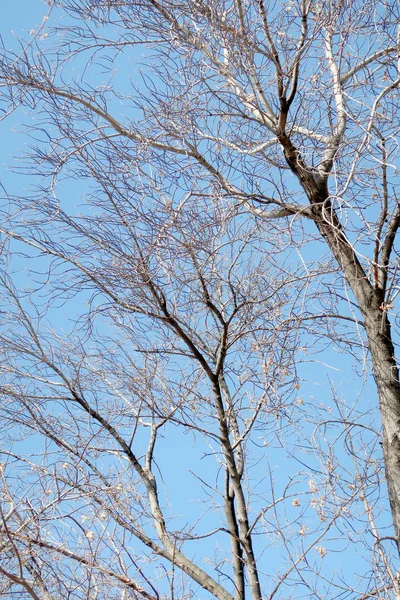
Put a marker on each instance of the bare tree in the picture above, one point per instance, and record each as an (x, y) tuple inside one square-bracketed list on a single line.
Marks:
[(236, 168)]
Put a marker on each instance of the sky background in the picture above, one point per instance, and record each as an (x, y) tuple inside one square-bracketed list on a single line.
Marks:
[(18, 19)]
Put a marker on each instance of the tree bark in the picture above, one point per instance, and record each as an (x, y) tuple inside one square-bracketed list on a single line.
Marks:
[(378, 330), (386, 375), (371, 301)]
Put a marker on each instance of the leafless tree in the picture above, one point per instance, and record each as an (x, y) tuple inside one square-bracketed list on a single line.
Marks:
[(212, 198)]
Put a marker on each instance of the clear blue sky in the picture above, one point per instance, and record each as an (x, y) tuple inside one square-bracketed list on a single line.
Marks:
[(18, 18)]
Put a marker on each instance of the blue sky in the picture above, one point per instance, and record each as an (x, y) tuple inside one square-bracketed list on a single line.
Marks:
[(26, 15), (18, 19)]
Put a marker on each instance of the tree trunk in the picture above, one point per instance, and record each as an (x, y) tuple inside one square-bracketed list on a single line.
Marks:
[(386, 375), (377, 325)]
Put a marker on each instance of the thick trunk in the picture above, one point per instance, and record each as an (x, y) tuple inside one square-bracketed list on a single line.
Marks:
[(371, 302), (386, 375)]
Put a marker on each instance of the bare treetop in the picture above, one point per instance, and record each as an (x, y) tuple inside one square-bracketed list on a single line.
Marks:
[(208, 223)]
